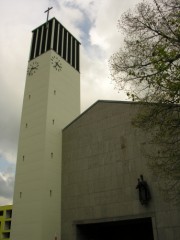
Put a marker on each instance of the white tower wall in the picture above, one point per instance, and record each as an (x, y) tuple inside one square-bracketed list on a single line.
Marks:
[(51, 101)]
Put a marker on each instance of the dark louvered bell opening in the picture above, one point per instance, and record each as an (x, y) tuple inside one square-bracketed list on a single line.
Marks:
[(53, 35)]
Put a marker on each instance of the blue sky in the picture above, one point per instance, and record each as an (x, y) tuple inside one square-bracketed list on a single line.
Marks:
[(94, 23)]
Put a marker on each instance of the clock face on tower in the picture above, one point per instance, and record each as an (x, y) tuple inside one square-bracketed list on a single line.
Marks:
[(33, 67), (56, 63)]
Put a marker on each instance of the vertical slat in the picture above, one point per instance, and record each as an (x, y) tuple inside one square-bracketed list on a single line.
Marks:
[(36, 44), (60, 40), (57, 38), (32, 45), (77, 56), (73, 52), (69, 49), (62, 43), (40, 48), (52, 35), (47, 30), (49, 35)]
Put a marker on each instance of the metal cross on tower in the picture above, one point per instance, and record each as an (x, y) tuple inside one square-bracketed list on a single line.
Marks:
[(47, 11)]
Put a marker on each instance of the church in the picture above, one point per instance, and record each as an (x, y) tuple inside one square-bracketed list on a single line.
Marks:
[(81, 176)]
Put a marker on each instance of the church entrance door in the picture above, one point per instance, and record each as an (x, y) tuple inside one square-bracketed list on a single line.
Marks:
[(131, 229)]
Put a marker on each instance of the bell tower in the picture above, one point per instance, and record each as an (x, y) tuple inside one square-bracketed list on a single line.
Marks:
[(51, 101)]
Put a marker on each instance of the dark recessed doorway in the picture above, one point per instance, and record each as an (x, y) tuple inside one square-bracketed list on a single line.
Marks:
[(140, 229)]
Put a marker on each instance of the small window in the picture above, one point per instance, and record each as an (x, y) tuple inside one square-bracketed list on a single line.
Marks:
[(8, 213), (26, 125), (52, 155), (1, 213), (5, 235), (7, 225), (29, 96), (53, 121), (54, 92), (23, 158), (20, 194)]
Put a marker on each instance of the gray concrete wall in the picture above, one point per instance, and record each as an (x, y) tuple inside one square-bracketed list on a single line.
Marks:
[(102, 159)]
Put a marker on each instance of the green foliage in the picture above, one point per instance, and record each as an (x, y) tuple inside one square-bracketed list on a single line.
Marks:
[(148, 69)]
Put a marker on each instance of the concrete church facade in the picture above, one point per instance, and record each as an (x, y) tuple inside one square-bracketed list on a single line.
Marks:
[(76, 175), (103, 156)]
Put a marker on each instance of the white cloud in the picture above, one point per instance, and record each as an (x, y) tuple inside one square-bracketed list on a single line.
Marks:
[(89, 7), (5, 201), (54, 3), (7, 186), (8, 155)]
